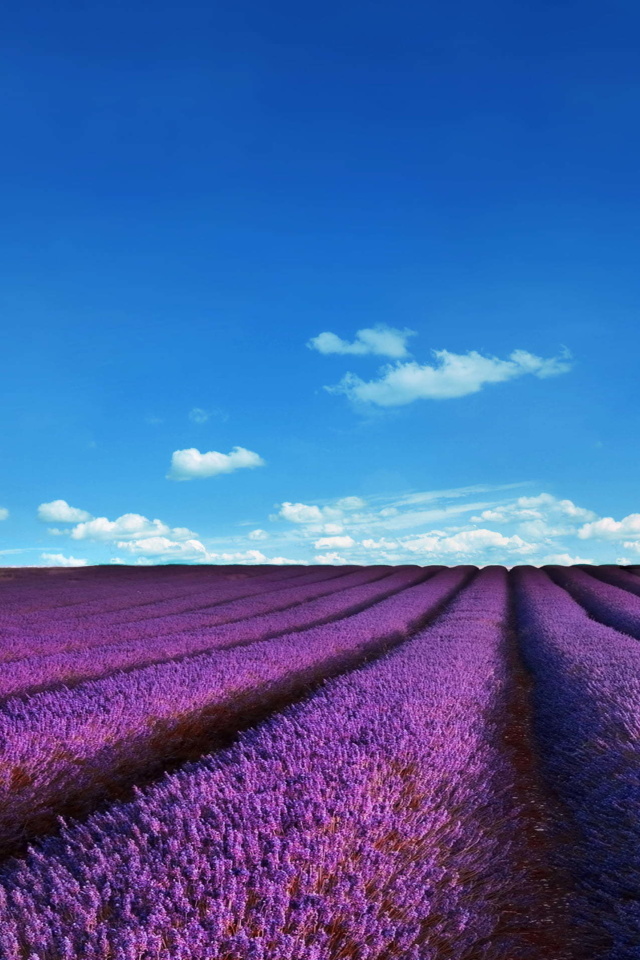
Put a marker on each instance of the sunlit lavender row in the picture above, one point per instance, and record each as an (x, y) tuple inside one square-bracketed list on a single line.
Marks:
[(320, 764)]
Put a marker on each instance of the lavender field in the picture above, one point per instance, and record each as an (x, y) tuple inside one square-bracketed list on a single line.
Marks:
[(320, 763)]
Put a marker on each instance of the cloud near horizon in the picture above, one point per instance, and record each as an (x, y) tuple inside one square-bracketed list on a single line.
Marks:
[(129, 525), (381, 340), (340, 542), (191, 464), (452, 375), (609, 529), (438, 526), (154, 549), (59, 560)]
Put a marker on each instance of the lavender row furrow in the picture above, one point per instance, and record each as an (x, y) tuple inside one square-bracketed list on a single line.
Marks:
[(587, 706), (613, 606), (63, 750), (355, 593), (375, 821)]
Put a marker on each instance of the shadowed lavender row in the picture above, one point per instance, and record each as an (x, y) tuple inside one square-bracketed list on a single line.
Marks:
[(63, 749), (587, 708), (350, 594), (376, 821)]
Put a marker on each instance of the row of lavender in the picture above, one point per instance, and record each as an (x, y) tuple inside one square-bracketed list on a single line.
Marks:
[(385, 816), (586, 700), (34, 590), (129, 605), (375, 820), (64, 749), (239, 622)]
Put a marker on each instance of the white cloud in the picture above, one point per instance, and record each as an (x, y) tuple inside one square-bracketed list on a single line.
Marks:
[(192, 464), (564, 559), (609, 529), (59, 560), (326, 519), (536, 508), (330, 558), (633, 545), (332, 528), (382, 340), (300, 513), (325, 542), (129, 525), (381, 544), (198, 415), (164, 547), (453, 375), (258, 535), (4, 513), (466, 543), (241, 556), (59, 511), (539, 517), (286, 562), (183, 533)]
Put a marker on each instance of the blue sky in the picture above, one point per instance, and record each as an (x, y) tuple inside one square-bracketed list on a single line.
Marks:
[(214, 212)]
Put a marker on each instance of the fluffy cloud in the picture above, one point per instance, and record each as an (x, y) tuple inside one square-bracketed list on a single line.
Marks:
[(609, 529), (157, 549), (453, 375), (332, 528), (129, 525), (327, 519), (4, 513), (539, 517), (334, 558), (466, 543), (258, 535), (59, 511), (59, 560), (381, 544), (536, 508), (286, 562), (381, 340), (190, 464), (240, 556), (339, 542), (300, 513), (165, 547), (564, 559)]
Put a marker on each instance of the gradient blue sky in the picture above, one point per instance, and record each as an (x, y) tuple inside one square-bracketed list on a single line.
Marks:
[(192, 192)]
